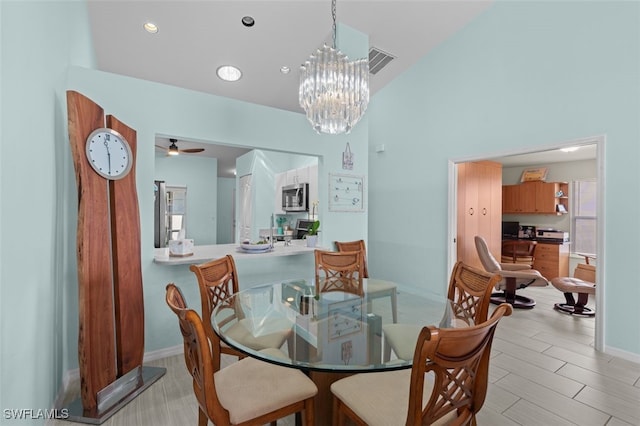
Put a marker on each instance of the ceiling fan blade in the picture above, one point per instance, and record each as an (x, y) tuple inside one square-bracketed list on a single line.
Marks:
[(192, 150)]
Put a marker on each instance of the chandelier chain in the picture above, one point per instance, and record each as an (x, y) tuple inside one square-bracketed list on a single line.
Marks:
[(333, 16)]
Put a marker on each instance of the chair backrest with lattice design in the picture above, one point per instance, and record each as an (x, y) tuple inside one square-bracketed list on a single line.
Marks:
[(198, 356), (217, 281), (339, 271), (459, 360), (470, 289), (355, 246)]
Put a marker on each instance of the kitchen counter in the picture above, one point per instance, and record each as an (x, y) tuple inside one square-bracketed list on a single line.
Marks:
[(215, 251)]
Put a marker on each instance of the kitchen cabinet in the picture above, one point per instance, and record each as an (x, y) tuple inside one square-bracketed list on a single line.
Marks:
[(536, 198), (300, 175), (552, 259), (479, 209), (307, 174)]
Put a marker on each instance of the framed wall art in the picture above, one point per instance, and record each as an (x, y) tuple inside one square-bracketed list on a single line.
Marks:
[(530, 175), (346, 193)]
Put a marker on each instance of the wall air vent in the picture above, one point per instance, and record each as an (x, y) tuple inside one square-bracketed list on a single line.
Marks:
[(378, 59)]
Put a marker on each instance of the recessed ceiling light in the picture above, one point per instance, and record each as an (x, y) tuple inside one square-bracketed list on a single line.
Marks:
[(569, 149), (248, 21), (150, 27), (229, 73), (285, 70)]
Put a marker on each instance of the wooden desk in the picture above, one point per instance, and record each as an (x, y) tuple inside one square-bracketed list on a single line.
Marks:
[(552, 259)]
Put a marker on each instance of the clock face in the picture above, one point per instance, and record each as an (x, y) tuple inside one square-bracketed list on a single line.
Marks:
[(109, 153)]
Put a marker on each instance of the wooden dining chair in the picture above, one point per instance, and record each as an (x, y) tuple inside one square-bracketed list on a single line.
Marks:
[(519, 251), (447, 383), (470, 290), (247, 392), (339, 271), (218, 281), (375, 288)]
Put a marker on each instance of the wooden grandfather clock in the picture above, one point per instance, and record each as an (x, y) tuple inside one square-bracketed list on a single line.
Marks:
[(111, 306)]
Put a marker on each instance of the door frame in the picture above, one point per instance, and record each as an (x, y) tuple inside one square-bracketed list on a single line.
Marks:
[(599, 141)]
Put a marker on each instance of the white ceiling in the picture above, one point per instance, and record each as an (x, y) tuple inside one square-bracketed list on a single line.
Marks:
[(585, 152), (196, 37)]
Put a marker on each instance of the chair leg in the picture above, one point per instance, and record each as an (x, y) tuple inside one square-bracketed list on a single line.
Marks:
[(509, 296), (338, 418), (394, 305), (386, 357), (203, 420), (572, 307), (309, 414)]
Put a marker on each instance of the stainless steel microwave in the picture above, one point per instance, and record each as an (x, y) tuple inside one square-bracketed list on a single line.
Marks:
[(295, 197)]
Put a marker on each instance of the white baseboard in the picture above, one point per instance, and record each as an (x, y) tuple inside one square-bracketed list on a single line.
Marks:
[(619, 353)]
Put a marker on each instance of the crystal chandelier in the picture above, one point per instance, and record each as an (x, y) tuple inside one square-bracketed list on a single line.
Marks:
[(334, 92)]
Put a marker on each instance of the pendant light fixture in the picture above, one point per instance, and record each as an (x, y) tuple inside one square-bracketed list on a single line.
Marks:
[(173, 148), (334, 92)]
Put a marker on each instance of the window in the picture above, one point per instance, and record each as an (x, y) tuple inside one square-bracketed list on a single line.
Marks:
[(583, 216)]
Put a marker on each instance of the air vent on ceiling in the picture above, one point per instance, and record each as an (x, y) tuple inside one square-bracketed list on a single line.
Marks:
[(378, 59)]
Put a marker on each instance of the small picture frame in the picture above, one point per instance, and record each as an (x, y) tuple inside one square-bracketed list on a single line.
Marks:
[(537, 174)]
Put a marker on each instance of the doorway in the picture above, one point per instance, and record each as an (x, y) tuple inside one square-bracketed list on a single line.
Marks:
[(599, 143)]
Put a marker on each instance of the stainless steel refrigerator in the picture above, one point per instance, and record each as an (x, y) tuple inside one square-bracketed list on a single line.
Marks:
[(170, 212)]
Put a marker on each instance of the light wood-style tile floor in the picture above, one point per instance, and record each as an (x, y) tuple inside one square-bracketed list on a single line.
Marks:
[(544, 372)]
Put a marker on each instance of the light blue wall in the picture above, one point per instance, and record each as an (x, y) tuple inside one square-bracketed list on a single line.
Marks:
[(38, 42), (524, 74), (46, 50), (200, 175), (225, 210)]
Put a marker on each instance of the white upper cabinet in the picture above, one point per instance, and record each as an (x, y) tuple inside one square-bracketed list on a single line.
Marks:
[(300, 175)]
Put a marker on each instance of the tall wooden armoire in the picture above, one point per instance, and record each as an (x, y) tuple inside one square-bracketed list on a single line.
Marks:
[(479, 209)]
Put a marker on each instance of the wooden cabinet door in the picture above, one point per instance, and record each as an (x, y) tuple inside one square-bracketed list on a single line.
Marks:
[(528, 197), (546, 197), (467, 212), (479, 209), (510, 199), (490, 204)]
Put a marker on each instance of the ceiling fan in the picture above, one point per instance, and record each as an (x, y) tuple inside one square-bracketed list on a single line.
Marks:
[(174, 150)]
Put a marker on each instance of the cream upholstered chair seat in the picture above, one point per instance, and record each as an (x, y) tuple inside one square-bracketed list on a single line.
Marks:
[(469, 289), (402, 338), (248, 392), (375, 406), (242, 333), (447, 382), (242, 387), (217, 281)]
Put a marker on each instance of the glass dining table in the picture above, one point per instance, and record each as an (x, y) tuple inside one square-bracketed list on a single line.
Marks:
[(329, 335)]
